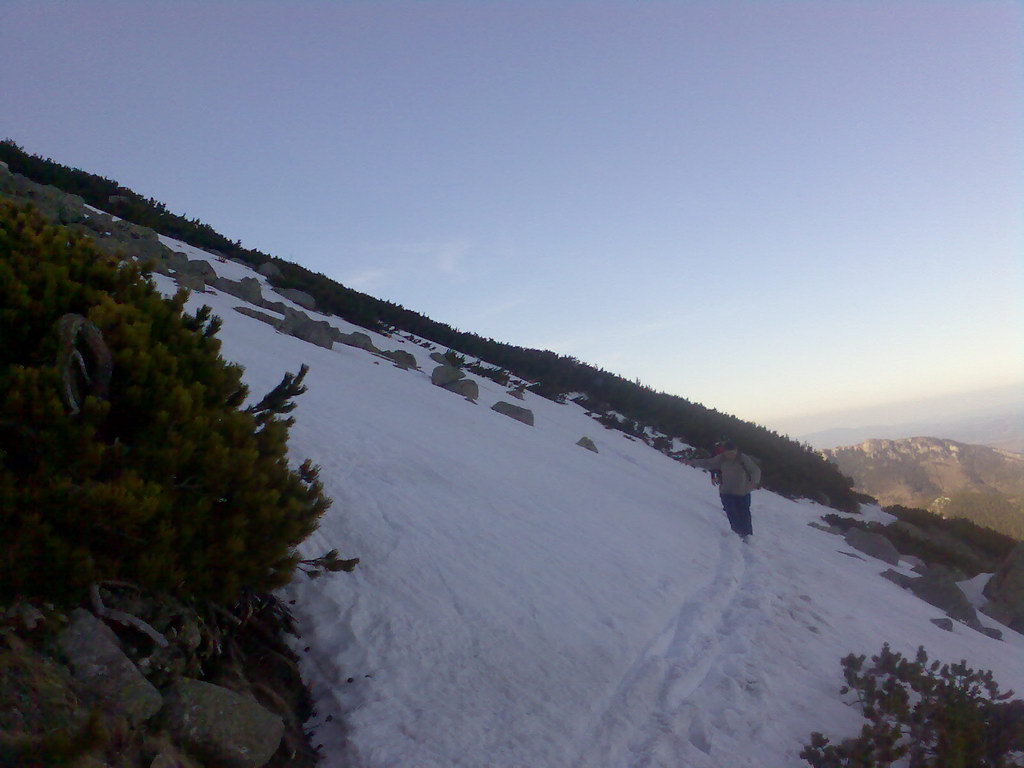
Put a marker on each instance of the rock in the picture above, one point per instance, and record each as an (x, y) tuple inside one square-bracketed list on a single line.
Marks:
[(468, 388), (99, 664), (177, 261), (912, 562), (357, 339), (586, 442), (943, 592), (517, 394), (992, 632), (69, 213), (874, 544), (444, 375), (897, 578), (247, 289), (1005, 591), (404, 360), (37, 694), (221, 726), (190, 281), (826, 528), (201, 267), (301, 326), (437, 357), (516, 412), (946, 624), (304, 300), (269, 269), (255, 313)]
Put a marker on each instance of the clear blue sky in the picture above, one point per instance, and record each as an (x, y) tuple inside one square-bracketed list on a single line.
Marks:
[(772, 208)]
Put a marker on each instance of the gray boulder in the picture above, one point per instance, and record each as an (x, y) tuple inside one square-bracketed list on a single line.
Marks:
[(946, 624), (223, 727), (404, 360), (444, 375), (190, 281), (100, 665), (873, 544), (437, 357), (1005, 591), (177, 261), (262, 316), (304, 300), (468, 388), (301, 326), (201, 267), (268, 269), (247, 289), (516, 412), (942, 592), (357, 339), (586, 442)]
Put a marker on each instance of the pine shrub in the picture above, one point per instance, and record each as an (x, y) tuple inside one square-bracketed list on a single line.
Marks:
[(922, 715), (159, 478)]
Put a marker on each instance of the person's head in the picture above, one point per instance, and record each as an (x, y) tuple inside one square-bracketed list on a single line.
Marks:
[(729, 449)]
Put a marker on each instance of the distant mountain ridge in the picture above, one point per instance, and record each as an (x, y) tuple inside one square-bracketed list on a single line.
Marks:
[(1003, 429), (945, 476)]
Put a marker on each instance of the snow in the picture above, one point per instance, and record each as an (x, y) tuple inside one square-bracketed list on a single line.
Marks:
[(521, 601)]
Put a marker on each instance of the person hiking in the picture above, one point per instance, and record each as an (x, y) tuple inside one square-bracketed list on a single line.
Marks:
[(717, 449), (740, 475)]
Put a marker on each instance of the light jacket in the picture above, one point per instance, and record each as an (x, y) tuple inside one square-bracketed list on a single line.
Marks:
[(739, 476)]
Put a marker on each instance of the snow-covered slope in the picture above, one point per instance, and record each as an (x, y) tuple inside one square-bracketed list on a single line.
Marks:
[(523, 602)]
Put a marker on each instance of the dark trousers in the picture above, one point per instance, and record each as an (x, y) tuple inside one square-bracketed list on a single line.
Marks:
[(737, 509)]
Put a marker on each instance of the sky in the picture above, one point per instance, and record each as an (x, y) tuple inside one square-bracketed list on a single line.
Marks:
[(776, 209)]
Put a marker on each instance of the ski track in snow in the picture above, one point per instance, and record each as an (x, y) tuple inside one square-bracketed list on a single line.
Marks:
[(522, 603)]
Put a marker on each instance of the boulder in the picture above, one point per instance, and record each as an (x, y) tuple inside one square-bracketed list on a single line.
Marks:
[(516, 393), (269, 269), (177, 261), (897, 578), (255, 313), (444, 375), (586, 442), (301, 326), (304, 300), (190, 281), (221, 726), (826, 528), (247, 289), (100, 665), (201, 267), (516, 412), (404, 360), (874, 544), (942, 592), (1005, 591), (437, 357), (356, 339), (946, 624), (468, 388), (995, 634)]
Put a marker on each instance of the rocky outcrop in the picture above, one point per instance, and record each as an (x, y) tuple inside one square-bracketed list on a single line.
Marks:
[(1005, 591), (874, 544), (191, 282), (99, 664), (256, 314), (516, 412), (301, 298), (220, 725), (247, 289), (586, 442), (301, 326)]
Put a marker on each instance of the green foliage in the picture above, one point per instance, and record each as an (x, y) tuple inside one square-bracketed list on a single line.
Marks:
[(166, 483), (498, 375), (454, 359), (989, 508), (925, 716)]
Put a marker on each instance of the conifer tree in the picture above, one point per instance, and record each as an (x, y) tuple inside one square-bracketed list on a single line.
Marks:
[(160, 478)]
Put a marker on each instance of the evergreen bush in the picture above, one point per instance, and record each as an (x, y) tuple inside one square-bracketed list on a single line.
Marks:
[(922, 715), (159, 478)]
